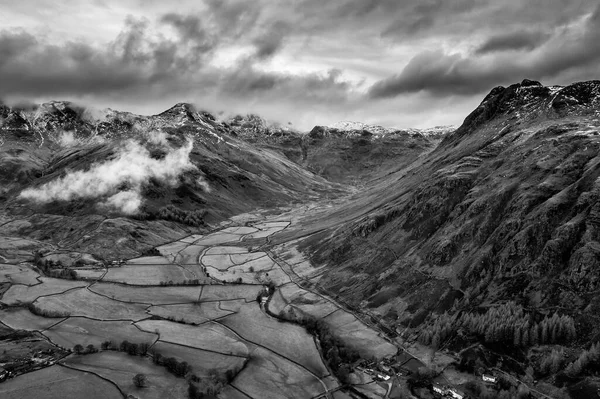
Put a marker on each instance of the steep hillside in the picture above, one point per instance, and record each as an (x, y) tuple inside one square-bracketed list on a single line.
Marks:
[(502, 216)]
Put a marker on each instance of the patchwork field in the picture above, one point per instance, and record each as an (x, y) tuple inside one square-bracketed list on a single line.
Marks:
[(290, 295), (226, 250), (256, 270), (23, 319), (289, 340), (90, 274), (233, 291), (149, 260), (58, 382), (218, 238), (79, 330), (18, 274), (170, 251), (220, 261), (214, 327), (195, 313), (23, 294), (270, 376), (202, 361), (208, 336), (148, 274), (81, 302), (189, 255), (120, 368), (148, 295)]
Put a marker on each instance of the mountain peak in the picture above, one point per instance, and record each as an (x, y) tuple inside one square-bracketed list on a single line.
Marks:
[(530, 100)]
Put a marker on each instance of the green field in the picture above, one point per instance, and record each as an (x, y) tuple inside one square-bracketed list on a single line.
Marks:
[(208, 336), (202, 361), (79, 330), (23, 319), (120, 368), (148, 295), (18, 274), (23, 294), (195, 313), (58, 382), (148, 274), (289, 340), (270, 376), (81, 302)]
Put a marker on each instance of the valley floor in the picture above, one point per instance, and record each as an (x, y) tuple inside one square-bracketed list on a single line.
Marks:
[(215, 301)]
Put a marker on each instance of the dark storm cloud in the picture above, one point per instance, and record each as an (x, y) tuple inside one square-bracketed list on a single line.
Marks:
[(248, 81), (12, 44), (131, 60), (138, 61), (271, 40), (191, 30), (521, 40), (574, 49)]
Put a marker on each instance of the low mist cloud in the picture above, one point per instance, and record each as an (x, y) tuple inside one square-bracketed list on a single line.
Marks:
[(120, 179)]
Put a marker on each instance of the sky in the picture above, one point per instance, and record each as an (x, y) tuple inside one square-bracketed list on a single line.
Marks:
[(396, 63)]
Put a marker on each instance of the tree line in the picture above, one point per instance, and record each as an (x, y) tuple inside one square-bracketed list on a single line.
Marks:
[(508, 323), (175, 214)]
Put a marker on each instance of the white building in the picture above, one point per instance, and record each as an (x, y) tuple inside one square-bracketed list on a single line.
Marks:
[(437, 388), (455, 393), (489, 378)]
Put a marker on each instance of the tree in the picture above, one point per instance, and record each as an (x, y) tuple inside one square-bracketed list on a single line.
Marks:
[(517, 337), (143, 348), (140, 380), (106, 345), (78, 349), (132, 349), (124, 347), (91, 349)]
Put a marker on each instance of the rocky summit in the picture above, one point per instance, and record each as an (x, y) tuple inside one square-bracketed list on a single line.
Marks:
[(444, 260)]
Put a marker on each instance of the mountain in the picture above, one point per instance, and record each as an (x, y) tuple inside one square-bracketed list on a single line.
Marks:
[(491, 238), (475, 248), (346, 152), (59, 161), (357, 153), (350, 126)]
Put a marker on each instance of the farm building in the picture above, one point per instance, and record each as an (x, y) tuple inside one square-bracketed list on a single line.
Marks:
[(440, 389), (3, 374), (489, 378), (456, 394)]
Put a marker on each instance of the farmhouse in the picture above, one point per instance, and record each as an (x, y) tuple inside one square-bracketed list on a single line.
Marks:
[(3, 374), (489, 378), (456, 394), (440, 389)]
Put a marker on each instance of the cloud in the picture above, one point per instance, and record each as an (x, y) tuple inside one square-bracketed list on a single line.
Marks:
[(131, 168), (225, 54), (128, 202), (577, 48), (67, 139), (521, 40), (271, 40)]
